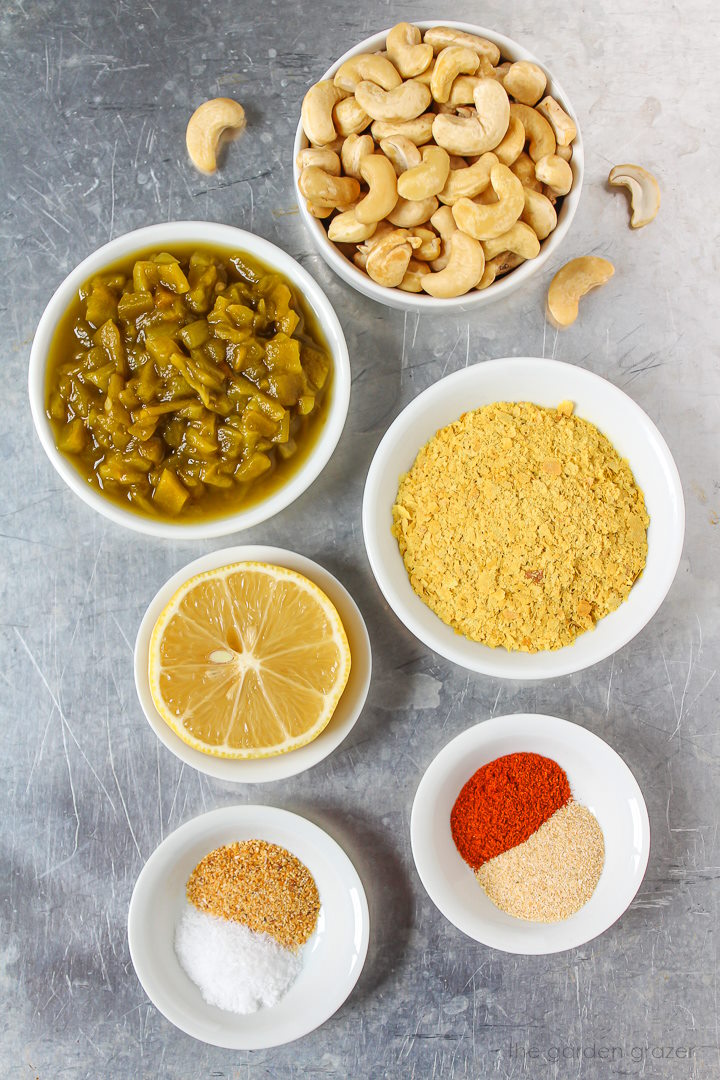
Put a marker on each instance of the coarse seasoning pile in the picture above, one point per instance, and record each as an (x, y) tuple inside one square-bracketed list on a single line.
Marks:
[(536, 852), (252, 906), (521, 526)]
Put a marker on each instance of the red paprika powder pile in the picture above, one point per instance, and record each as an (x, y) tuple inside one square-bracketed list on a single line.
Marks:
[(504, 803)]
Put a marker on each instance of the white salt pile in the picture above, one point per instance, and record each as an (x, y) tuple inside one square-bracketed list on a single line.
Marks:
[(233, 967)]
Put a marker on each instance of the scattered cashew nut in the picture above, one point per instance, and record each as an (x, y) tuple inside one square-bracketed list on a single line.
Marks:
[(212, 122), (572, 282), (644, 192)]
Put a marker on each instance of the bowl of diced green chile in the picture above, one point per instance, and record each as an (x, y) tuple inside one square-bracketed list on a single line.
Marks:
[(189, 379)]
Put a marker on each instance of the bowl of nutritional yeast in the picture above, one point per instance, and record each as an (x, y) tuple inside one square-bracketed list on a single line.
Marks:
[(530, 834), (524, 518)]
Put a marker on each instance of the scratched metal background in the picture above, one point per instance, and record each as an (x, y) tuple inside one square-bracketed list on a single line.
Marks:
[(94, 98)]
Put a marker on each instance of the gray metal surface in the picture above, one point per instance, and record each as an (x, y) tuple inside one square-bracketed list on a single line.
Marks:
[(94, 99)]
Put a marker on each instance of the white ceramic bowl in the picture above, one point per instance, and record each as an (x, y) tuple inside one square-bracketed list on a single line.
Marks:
[(333, 957), (599, 779), (348, 709), (544, 382), (396, 298), (223, 237)]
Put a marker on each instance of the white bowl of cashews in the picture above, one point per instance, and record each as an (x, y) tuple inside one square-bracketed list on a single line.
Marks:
[(437, 167)]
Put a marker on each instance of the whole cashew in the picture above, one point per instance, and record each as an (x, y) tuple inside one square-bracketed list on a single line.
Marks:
[(644, 192), (440, 37), (520, 239), (322, 189), (465, 265), (388, 260), (487, 222), (327, 160), (468, 182), (317, 108), (475, 134), (427, 178), (405, 50), (498, 266), (346, 229), (462, 91), (354, 149), (453, 61), (571, 282), (537, 131), (524, 169), (444, 223), (539, 213), (402, 152), (379, 175), (408, 214), (526, 82), (430, 244), (563, 125), (212, 122), (418, 131), (367, 67), (349, 118), (510, 148), (405, 102), (412, 279), (320, 212), (554, 173)]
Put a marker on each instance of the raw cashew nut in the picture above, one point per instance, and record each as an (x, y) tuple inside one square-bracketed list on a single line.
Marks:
[(565, 152), (467, 182), (349, 118), (317, 108), (498, 266), (571, 282), (388, 260), (412, 280), (327, 160), (402, 152), (520, 239), (354, 149), (510, 148), (346, 229), (539, 213), (487, 222), (475, 134), (465, 265), (526, 82), (444, 223), (360, 257), (408, 214), (453, 61), (524, 169), (212, 122), (644, 192), (418, 131), (427, 178), (462, 91), (563, 125), (440, 37), (320, 212), (537, 131), (430, 244), (379, 175), (367, 67), (322, 189), (555, 173), (405, 102), (406, 52)]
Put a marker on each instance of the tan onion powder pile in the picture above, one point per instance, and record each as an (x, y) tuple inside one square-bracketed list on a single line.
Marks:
[(521, 526), (553, 873)]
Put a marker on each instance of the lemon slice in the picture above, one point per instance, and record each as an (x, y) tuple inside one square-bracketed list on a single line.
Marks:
[(248, 661)]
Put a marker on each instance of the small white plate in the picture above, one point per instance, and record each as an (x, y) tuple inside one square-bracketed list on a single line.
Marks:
[(599, 779), (333, 958), (349, 707), (544, 382)]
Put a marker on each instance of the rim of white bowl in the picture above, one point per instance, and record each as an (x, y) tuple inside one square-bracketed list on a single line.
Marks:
[(347, 712), (403, 301), (540, 665), (211, 234)]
